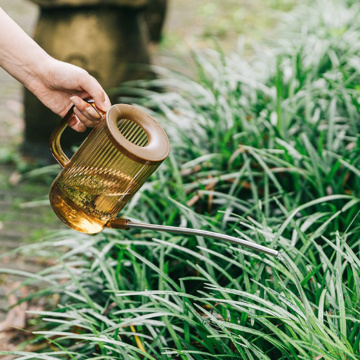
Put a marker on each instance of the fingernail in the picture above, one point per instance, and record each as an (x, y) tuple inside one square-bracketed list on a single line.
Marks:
[(72, 121), (81, 127)]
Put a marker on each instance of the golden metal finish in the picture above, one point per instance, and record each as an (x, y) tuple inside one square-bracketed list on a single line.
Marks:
[(109, 167)]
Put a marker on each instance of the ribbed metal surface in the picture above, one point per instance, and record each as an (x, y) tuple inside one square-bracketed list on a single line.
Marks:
[(132, 132)]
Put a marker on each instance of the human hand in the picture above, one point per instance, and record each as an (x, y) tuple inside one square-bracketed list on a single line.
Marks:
[(56, 84), (59, 85)]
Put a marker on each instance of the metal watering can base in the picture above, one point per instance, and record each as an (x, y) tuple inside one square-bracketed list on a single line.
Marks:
[(118, 156)]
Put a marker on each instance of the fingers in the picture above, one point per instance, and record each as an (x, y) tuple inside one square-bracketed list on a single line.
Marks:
[(96, 92), (85, 112), (76, 124)]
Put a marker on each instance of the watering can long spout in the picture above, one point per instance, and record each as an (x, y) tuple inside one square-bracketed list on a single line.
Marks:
[(126, 224)]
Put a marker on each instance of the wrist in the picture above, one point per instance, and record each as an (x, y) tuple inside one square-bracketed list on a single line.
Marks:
[(37, 70)]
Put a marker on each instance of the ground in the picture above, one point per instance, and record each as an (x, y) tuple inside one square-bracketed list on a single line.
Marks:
[(189, 24)]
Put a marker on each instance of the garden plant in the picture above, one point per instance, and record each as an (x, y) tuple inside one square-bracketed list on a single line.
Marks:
[(264, 148)]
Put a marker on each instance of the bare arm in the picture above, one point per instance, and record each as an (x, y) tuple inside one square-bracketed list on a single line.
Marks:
[(56, 84)]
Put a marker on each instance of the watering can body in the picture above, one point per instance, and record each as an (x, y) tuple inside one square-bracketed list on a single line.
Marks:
[(109, 167)]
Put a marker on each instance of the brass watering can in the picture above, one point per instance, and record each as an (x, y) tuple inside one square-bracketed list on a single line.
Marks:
[(117, 157)]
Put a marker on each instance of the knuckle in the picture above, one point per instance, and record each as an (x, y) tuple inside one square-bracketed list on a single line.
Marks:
[(83, 72)]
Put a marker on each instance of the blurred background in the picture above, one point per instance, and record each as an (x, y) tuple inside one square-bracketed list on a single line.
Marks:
[(172, 29), (162, 34)]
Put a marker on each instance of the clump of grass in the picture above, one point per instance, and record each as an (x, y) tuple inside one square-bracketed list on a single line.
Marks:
[(158, 299), (267, 148)]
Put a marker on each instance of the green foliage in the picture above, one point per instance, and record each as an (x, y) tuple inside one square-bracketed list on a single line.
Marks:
[(267, 148)]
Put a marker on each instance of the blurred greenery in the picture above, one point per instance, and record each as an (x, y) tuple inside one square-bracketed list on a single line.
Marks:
[(202, 23)]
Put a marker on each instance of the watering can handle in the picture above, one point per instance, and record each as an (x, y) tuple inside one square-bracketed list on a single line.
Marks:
[(54, 141)]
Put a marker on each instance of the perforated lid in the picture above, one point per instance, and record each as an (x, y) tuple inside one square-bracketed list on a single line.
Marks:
[(158, 146)]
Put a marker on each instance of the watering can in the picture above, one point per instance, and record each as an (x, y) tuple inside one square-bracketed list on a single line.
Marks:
[(124, 148)]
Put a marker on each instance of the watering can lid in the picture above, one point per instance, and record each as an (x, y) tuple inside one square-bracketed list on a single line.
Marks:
[(158, 146)]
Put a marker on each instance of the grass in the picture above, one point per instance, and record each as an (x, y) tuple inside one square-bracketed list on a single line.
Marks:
[(267, 149)]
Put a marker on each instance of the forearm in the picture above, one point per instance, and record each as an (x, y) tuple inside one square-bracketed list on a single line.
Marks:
[(58, 85), (20, 56)]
